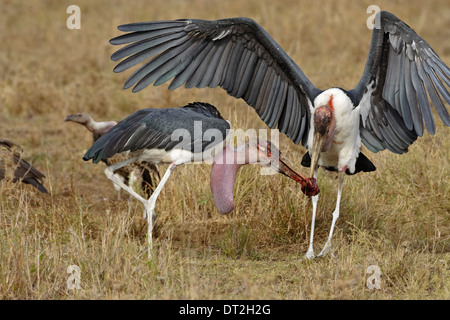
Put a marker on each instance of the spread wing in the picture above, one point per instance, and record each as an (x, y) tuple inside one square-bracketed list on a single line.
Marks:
[(235, 54), (401, 74)]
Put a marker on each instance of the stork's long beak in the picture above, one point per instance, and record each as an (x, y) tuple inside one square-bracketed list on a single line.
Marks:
[(279, 163), (324, 128), (319, 141)]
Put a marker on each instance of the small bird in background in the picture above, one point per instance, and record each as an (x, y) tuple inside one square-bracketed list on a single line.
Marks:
[(127, 174), (13, 167)]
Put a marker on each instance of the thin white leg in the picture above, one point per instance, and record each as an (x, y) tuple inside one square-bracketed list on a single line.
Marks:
[(327, 246), (109, 172), (150, 206), (310, 253)]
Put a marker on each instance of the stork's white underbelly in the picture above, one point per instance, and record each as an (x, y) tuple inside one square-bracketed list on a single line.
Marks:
[(179, 156), (346, 144)]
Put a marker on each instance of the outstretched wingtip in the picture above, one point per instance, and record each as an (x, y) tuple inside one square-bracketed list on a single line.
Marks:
[(125, 27), (87, 156), (95, 153), (112, 41), (136, 88), (35, 183)]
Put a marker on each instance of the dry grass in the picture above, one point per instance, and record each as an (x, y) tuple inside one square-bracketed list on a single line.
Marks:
[(396, 218)]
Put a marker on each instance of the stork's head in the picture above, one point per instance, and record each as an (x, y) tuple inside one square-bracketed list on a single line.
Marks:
[(324, 129), (254, 151)]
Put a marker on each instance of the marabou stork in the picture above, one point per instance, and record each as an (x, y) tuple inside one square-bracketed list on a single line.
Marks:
[(127, 174), (193, 133), (12, 164), (386, 110)]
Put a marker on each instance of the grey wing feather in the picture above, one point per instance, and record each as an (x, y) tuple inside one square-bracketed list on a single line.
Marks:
[(235, 54), (402, 73)]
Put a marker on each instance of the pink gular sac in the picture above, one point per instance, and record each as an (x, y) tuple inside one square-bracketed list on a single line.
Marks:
[(228, 161), (223, 176)]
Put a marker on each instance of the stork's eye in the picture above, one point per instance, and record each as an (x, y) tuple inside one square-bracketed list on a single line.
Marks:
[(269, 149), (263, 149)]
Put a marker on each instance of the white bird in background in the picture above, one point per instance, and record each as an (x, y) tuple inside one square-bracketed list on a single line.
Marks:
[(98, 128), (152, 135), (386, 110)]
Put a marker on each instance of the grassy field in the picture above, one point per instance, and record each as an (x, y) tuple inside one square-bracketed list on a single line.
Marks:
[(396, 218)]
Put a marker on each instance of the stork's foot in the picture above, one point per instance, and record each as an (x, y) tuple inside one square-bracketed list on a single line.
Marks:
[(309, 254), (326, 250)]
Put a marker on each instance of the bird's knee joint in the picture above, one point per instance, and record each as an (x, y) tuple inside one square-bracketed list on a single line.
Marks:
[(149, 207), (335, 214), (108, 172)]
